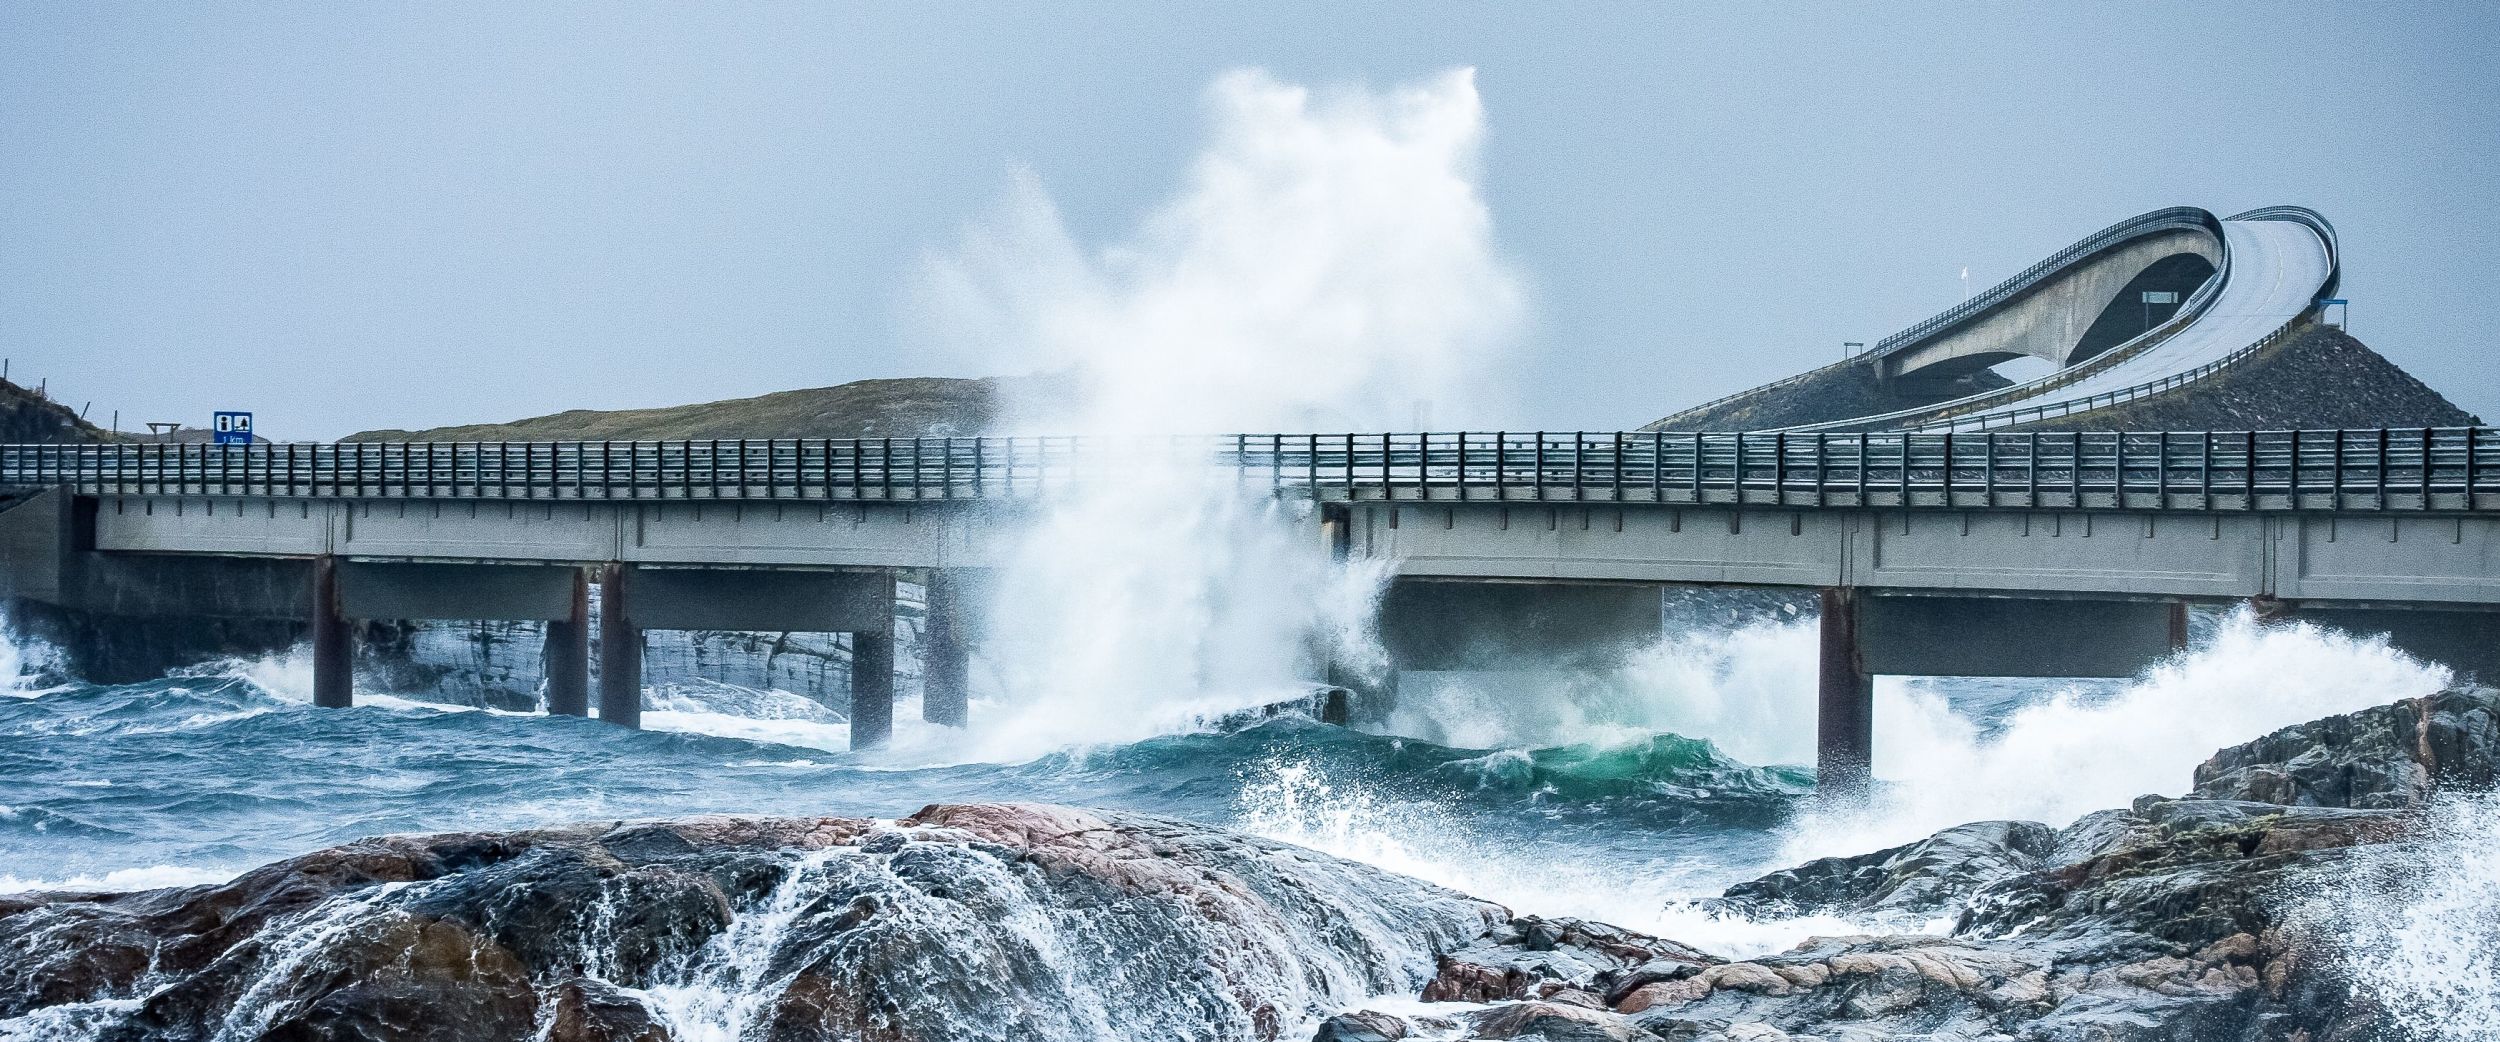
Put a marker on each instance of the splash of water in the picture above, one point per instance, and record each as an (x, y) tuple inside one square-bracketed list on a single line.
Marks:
[(1328, 261), (1748, 688), (2056, 760), (21, 659), (2418, 923), (1302, 804)]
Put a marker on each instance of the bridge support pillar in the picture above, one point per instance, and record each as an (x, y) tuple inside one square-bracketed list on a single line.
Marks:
[(620, 652), (945, 661), (568, 656), (872, 679), (333, 642), (1844, 723)]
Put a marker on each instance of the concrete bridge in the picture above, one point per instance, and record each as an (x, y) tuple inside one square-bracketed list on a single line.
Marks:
[(1932, 553)]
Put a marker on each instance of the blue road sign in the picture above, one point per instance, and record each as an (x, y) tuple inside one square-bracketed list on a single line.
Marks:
[(232, 428)]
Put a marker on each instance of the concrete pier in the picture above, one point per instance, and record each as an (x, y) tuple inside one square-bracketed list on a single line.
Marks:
[(945, 660), (872, 678), (333, 643), (620, 651), (1844, 722), (568, 656)]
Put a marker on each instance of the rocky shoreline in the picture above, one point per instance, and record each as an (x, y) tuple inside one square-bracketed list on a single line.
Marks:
[(2185, 919), (2173, 919)]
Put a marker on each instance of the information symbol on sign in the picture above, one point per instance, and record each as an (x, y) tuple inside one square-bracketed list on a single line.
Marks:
[(232, 428)]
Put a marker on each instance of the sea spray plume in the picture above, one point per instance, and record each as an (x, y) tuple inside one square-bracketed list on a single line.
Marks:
[(2070, 755), (1329, 259)]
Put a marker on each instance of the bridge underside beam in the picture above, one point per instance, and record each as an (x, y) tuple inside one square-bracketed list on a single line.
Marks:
[(761, 599), (2011, 636), (2465, 641), (502, 592), (1453, 625)]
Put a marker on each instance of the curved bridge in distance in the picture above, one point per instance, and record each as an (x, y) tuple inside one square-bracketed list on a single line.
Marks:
[(2143, 307)]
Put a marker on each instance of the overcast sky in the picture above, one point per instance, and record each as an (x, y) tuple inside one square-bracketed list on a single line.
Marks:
[(346, 216)]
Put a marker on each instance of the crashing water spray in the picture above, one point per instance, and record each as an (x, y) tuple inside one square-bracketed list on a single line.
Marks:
[(2417, 923), (2072, 753), (1328, 261)]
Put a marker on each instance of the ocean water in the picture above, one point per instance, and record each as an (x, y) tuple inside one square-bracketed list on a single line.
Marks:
[(1615, 798)]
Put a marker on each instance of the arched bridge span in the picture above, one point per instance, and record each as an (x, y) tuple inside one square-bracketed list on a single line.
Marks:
[(2142, 307)]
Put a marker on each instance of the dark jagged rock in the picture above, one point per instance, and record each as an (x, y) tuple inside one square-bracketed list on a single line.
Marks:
[(962, 921), (588, 1010), (2388, 756), (1536, 958), (1926, 878), (1361, 1026)]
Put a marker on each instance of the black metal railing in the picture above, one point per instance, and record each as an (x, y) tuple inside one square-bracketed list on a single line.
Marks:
[(2448, 469)]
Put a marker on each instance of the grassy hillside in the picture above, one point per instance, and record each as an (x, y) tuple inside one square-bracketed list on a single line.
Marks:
[(923, 406), (28, 417)]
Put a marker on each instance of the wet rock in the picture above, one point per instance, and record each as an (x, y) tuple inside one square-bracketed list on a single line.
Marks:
[(1553, 1022), (587, 1010), (1933, 876), (2388, 756), (959, 922), (2167, 921), (1361, 1026), (1531, 956)]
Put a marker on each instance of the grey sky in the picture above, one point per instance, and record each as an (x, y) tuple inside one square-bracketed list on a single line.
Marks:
[(346, 216)]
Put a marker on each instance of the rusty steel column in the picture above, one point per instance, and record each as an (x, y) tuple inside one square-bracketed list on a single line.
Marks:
[(568, 656), (2178, 626), (333, 642), (945, 661), (1844, 723), (872, 678), (620, 652)]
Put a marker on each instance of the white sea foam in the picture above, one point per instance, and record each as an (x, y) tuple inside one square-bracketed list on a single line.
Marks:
[(2071, 754), (1298, 803), (21, 658), (1748, 688), (150, 877), (2418, 923)]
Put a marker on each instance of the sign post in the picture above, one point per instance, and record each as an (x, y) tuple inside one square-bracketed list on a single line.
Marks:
[(231, 428), (2152, 297)]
